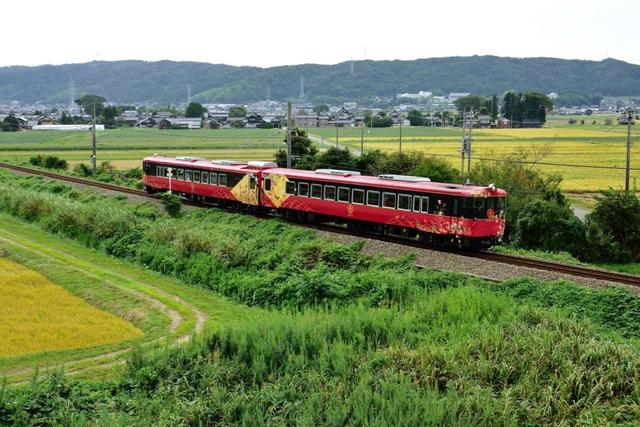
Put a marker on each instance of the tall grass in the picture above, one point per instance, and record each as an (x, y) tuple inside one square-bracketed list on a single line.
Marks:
[(463, 356)]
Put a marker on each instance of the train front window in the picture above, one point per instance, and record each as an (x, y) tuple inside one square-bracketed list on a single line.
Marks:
[(500, 203), (404, 202)]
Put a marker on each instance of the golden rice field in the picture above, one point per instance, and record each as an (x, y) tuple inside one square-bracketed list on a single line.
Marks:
[(37, 315), (586, 156)]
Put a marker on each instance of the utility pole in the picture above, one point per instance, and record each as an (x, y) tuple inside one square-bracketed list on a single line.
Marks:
[(466, 144), (629, 114), (361, 139), (289, 124), (93, 134), (401, 137), (337, 136)]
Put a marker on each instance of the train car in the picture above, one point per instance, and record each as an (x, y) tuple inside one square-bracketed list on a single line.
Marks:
[(441, 214)]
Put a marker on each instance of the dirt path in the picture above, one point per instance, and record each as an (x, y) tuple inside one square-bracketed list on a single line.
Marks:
[(176, 319)]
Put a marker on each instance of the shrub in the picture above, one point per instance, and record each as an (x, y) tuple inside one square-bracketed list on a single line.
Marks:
[(172, 204)]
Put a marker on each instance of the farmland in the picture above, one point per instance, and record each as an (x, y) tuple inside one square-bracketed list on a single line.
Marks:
[(316, 332), (564, 145), (38, 315), (579, 145)]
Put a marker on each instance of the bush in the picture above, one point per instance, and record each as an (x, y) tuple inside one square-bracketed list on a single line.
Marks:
[(172, 204), (436, 169), (49, 162), (613, 228), (550, 225)]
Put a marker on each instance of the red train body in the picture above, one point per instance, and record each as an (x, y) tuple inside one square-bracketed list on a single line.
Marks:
[(437, 213)]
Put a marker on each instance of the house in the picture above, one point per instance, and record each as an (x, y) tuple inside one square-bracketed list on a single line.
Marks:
[(531, 123), (183, 122), (254, 120), (148, 122), (130, 117), (457, 95), (624, 120), (484, 121), (219, 116), (504, 123)]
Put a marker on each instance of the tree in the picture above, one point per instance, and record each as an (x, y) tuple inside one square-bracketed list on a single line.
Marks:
[(66, 119), (550, 225), (195, 109), (237, 111), (613, 228), (87, 103), (303, 151), (321, 108), (335, 158), (10, 123), (416, 118), (381, 120), (470, 103), (368, 115), (494, 107), (512, 109), (534, 105), (436, 169), (109, 115)]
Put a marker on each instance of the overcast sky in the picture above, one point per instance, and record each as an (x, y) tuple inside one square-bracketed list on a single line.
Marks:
[(278, 32)]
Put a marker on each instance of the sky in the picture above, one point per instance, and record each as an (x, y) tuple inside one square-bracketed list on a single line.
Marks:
[(281, 32)]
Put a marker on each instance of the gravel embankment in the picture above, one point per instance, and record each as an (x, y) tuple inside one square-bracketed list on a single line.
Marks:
[(459, 263)]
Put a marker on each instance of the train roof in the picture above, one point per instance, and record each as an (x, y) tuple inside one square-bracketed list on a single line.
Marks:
[(395, 182)]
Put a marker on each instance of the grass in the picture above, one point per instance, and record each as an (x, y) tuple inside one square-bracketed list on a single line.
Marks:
[(126, 147), (38, 315), (340, 338), (584, 145)]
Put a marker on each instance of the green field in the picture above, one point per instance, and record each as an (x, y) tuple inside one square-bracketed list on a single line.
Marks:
[(127, 146), (589, 157), (581, 145)]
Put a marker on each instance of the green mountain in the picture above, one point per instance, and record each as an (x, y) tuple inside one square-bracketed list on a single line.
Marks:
[(165, 82)]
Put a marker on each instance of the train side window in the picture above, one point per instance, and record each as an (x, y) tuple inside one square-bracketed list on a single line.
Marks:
[(454, 209), (404, 202), (343, 194), (158, 170), (425, 204), (222, 179), (187, 175), (357, 197), (290, 187), (267, 184), (196, 176), (500, 202), (303, 189), (389, 200), (205, 177), (478, 202), (181, 174), (416, 203), (213, 178), (329, 192), (316, 191), (373, 198), (252, 182)]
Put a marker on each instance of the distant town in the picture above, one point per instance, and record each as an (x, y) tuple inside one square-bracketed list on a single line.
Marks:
[(417, 109)]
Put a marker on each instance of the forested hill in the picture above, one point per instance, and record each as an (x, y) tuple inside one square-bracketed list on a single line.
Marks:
[(166, 82)]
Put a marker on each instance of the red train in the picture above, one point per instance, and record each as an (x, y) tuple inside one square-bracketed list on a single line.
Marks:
[(413, 207)]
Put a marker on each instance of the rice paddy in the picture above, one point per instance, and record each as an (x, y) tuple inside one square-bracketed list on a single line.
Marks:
[(38, 315)]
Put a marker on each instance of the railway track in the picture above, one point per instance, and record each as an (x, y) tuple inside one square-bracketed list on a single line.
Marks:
[(534, 263)]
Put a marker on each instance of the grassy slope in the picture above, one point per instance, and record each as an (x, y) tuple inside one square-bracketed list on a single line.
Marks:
[(105, 282)]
